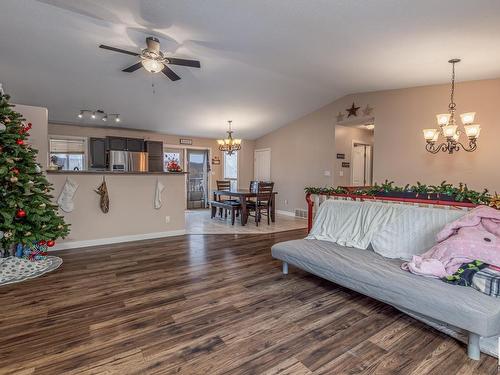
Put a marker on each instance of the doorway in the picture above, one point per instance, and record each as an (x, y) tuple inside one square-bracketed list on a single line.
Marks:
[(262, 164), (361, 158), (198, 168)]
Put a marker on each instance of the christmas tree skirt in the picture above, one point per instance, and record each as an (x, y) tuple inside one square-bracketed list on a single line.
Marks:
[(13, 270)]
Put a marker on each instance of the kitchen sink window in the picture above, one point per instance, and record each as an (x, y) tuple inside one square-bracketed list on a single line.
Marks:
[(68, 153)]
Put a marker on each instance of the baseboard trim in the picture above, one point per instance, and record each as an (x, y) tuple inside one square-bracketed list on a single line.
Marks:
[(288, 213), (112, 240)]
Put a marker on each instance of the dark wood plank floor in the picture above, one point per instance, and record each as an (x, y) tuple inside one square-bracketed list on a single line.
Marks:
[(209, 304)]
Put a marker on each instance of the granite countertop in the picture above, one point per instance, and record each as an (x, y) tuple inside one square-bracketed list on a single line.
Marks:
[(101, 172)]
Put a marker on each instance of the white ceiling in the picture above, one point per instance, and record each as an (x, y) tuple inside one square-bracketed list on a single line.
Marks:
[(264, 62)]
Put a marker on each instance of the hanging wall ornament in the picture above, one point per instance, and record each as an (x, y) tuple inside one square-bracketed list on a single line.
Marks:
[(353, 111), (102, 190)]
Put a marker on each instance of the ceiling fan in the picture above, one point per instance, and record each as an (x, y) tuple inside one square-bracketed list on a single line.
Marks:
[(154, 60)]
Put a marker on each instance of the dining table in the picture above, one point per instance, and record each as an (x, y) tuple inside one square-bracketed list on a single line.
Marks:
[(243, 196)]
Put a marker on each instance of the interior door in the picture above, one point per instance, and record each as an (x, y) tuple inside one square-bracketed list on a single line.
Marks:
[(361, 165), (262, 165)]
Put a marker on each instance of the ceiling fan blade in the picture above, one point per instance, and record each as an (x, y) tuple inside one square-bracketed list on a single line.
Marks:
[(132, 68), (118, 50), (170, 73), (184, 62)]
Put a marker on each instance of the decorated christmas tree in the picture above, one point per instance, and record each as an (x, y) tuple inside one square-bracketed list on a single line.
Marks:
[(28, 218)]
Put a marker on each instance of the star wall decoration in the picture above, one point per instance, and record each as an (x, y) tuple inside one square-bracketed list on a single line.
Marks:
[(367, 111), (340, 117), (353, 111)]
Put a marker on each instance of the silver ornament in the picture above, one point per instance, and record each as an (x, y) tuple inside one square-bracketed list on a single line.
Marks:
[(37, 168), (2, 127), (1, 234)]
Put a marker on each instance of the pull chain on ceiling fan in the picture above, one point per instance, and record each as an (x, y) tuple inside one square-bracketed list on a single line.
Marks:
[(153, 60)]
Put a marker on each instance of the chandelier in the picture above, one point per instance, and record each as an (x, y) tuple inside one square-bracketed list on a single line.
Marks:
[(449, 129), (229, 144)]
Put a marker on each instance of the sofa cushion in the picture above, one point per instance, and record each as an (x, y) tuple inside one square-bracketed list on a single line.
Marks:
[(373, 275), (413, 232)]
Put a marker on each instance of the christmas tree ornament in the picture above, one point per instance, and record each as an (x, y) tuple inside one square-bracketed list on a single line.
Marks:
[(1, 234), (2, 127), (51, 243), (42, 242), (15, 170), (6, 120), (21, 213), (43, 205), (7, 234), (38, 169), (20, 142), (14, 179), (27, 234), (9, 160)]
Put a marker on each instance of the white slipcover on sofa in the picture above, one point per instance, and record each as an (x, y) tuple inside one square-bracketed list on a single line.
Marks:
[(387, 234)]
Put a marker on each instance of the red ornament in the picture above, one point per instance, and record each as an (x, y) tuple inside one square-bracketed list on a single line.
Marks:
[(51, 243), (21, 213), (42, 242), (29, 125), (15, 170), (20, 142)]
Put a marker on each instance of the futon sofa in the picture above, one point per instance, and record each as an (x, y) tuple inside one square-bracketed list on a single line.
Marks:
[(376, 271)]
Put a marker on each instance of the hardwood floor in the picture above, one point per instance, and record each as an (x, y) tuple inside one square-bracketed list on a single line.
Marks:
[(209, 304)]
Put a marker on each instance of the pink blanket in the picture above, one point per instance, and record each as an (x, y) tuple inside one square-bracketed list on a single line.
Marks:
[(474, 236)]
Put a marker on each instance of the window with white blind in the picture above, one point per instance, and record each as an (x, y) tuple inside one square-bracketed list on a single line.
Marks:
[(68, 153)]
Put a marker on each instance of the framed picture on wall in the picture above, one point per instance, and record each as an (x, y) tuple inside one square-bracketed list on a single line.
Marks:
[(215, 160), (185, 141)]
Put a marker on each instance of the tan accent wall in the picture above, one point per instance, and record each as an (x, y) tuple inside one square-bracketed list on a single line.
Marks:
[(305, 148), (344, 138)]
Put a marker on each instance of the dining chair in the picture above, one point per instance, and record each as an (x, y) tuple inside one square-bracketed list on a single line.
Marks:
[(262, 204), (226, 185)]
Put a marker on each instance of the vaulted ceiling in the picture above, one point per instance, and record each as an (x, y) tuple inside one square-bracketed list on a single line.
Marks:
[(264, 62)]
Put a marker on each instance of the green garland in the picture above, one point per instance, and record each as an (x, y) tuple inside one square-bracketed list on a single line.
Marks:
[(460, 193)]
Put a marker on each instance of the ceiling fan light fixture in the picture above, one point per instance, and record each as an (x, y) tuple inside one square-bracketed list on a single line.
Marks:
[(152, 66)]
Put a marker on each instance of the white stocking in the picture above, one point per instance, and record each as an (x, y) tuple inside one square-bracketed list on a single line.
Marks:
[(65, 200)]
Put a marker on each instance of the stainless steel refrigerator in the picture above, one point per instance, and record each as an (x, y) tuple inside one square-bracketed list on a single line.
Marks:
[(128, 161)]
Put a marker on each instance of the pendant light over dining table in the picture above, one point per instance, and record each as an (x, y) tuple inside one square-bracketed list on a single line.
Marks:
[(229, 144), (449, 129)]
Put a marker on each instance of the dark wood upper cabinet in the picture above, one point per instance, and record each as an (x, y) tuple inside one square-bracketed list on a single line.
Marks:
[(125, 144), (116, 143), (135, 144), (154, 148), (97, 148)]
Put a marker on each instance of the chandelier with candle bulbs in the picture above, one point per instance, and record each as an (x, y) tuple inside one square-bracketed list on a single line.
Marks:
[(449, 129), (229, 144)]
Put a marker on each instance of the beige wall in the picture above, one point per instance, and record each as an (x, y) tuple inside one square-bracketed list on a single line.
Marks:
[(128, 218), (305, 148), (344, 138), (245, 158), (38, 117), (131, 210)]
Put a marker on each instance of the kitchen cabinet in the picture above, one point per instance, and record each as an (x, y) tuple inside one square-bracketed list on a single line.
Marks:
[(97, 148), (125, 144), (155, 155), (116, 143), (135, 144)]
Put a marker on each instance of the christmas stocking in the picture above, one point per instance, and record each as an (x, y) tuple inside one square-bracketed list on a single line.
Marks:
[(159, 189), (65, 200)]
